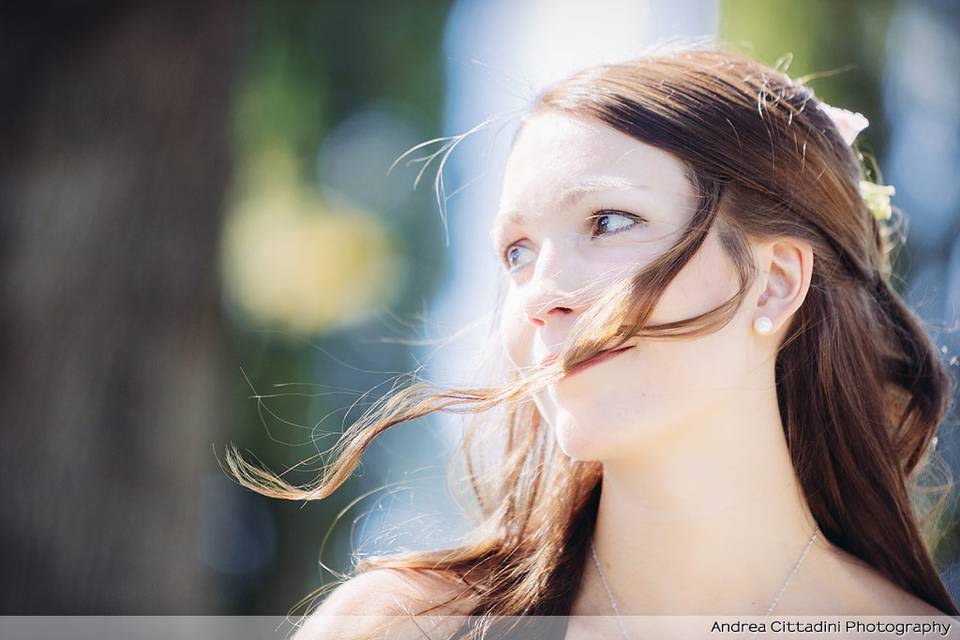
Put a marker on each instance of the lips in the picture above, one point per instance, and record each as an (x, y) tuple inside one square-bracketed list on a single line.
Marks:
[(606, 354), (602, 355)]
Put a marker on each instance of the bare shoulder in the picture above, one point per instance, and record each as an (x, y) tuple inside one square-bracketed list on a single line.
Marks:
[(866, 591), (388, 597)]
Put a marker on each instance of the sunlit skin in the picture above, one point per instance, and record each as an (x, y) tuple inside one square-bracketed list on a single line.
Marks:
[(701, 512)]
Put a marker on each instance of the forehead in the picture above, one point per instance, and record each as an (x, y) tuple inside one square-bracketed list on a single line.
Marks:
[(558, 157)]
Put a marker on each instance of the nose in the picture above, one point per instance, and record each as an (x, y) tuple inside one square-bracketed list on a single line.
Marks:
[(544, 297), (539, 307)]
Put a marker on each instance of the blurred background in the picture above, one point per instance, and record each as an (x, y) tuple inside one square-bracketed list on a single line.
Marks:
[(201, 244)]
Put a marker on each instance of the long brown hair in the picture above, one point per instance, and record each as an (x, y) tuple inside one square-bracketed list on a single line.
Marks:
[(861, 386)]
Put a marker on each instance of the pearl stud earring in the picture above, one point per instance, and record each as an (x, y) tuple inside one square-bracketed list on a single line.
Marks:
[(763, 325)]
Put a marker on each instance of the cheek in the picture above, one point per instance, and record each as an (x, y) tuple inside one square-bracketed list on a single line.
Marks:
[(661, 385), (705, 282), (515, 332)]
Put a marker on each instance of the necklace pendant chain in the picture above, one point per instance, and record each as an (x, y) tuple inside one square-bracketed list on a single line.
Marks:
[(773, 605)]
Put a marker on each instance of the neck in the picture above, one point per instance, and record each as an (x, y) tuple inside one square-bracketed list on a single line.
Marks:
[(710, 523)]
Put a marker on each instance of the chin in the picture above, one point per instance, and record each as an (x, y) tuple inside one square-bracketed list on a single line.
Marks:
[(576, 441)]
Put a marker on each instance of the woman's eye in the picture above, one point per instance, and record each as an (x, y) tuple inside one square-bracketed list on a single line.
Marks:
[(603, 222), (513, 256), (606, 222)]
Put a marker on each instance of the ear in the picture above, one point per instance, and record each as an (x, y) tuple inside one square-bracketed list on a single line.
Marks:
[(786, 268)]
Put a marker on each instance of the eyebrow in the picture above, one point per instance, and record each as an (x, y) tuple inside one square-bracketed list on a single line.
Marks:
[(568, 197)]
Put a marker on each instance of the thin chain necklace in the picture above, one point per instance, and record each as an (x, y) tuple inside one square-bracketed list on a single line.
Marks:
[(770, 609)]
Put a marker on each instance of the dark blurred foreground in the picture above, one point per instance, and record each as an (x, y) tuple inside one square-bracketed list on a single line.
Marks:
[(116, 158)]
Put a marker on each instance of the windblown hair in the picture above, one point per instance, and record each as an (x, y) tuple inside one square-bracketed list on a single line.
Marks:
[(861, 386)]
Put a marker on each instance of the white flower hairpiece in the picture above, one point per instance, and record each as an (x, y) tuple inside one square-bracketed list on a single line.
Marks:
[(850, 124), (877, 197)]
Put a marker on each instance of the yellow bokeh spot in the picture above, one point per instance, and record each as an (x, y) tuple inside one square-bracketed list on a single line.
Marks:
[(294, 262)]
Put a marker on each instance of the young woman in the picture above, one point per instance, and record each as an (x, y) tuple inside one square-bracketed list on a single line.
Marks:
[(714, 401)]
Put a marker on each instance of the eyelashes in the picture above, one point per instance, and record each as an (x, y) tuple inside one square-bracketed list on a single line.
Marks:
[(607, 221), (511, 267), (607, 214)]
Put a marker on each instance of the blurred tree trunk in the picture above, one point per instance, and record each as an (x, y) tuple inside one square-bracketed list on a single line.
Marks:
[(115, 129)]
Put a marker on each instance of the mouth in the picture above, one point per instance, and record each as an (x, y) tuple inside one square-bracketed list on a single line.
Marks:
[(603, 356)]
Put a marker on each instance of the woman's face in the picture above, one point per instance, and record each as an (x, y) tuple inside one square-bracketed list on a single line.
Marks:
[(583, 205)]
